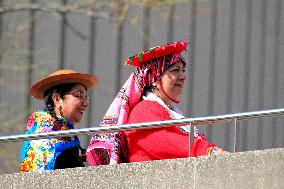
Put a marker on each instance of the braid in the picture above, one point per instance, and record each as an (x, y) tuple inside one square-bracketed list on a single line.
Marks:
[(49, 104), (50, 110)]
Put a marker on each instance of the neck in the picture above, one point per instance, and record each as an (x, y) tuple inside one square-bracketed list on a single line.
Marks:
[(57, 112)]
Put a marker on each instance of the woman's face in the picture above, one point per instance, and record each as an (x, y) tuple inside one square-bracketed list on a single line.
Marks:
[(74, 104), (173, 82)]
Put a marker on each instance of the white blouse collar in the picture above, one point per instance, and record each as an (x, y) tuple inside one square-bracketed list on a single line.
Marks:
[(173, 109), (174, 112)]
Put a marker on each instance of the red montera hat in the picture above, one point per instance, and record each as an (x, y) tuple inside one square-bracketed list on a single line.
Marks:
[(155, 52)]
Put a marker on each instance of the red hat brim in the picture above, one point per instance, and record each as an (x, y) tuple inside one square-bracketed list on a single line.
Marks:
[(155, 52)]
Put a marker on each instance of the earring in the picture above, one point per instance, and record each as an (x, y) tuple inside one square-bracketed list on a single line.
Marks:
[(154, 88), (60, 110)]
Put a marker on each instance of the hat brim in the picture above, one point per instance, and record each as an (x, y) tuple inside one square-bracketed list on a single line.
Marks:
[(38, 89), (155, 52)]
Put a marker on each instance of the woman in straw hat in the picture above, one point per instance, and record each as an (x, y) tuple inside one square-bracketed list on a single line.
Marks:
[(65, 95), (150, 94)]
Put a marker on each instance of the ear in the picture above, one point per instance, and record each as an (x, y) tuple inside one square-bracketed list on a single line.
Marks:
[(56, 99), (155, 88)]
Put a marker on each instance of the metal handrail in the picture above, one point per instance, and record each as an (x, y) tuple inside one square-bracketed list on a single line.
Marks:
[(146, 125)]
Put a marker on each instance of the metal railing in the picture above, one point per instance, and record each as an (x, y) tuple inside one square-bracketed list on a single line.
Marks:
[(147, 125)]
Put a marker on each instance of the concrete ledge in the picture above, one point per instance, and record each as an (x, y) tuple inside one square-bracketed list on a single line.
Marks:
[(255, 169)]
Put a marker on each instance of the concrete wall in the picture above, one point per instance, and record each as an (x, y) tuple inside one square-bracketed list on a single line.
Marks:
[(255, 169)]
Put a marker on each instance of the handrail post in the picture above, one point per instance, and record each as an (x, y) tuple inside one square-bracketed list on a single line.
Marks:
[(236, 136), (189, 140), (192, 131)]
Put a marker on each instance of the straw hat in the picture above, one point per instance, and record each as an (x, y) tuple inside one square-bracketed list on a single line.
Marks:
[(155, 52), (62, 77)]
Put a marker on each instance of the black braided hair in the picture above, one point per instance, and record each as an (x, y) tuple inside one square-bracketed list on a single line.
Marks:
[(62, 90)]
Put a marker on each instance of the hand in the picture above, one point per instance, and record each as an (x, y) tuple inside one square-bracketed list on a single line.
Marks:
[(223, 152)]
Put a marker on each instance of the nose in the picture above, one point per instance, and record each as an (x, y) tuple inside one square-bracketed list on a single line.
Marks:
[(182, 76), (85, 102)]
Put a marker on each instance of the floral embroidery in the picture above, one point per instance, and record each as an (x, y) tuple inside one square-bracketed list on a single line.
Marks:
[(39, 155), (30, 121), (214, 151), (109, 120)]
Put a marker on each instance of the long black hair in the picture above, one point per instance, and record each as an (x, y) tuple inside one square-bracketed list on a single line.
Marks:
[(62, 90)]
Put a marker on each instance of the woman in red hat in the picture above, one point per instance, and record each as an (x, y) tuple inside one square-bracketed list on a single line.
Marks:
[(150, 94), (65, 95)]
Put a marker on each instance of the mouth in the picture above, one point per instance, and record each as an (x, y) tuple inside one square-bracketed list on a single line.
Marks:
[(81, 111), (179, 85)]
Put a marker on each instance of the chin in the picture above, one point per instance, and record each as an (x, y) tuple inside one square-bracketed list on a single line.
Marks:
[(178, 93), (177, 97), (78, 120)]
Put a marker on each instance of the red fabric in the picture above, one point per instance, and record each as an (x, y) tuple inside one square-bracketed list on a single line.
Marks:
[(159, 143), (200, 146), (155, 52)]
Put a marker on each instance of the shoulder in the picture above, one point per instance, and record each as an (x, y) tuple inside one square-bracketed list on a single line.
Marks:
[(39, 119), (40, 115), (147, 110), (149, 106)]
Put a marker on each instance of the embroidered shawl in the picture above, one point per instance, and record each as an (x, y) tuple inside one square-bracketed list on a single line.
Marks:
[(110, 148), (39, 155)]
